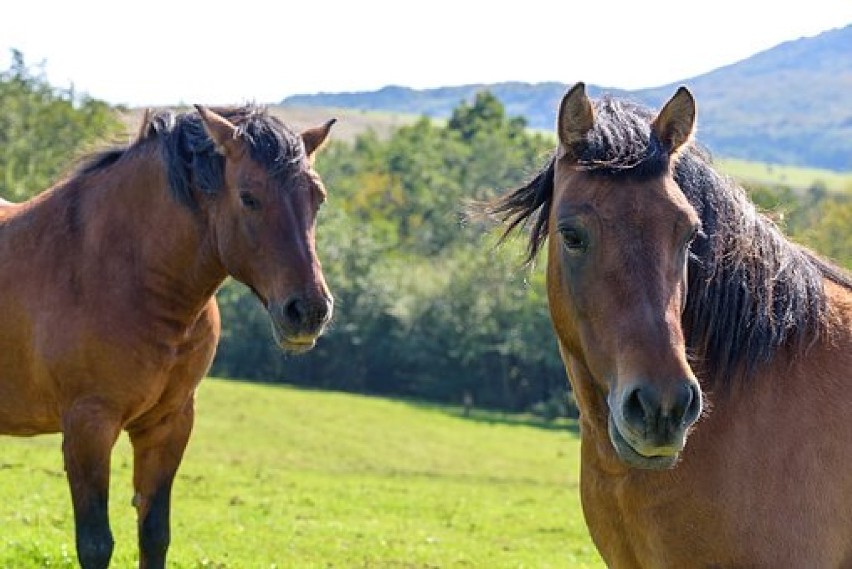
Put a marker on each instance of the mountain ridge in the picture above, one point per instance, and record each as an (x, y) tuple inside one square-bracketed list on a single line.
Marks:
[(789, 104)]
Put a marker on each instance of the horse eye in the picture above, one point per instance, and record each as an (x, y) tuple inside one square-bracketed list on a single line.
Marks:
[(574, 239), (249, 201)]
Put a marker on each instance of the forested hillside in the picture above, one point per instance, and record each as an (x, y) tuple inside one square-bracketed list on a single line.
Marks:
[(787, 105), (426, 306)]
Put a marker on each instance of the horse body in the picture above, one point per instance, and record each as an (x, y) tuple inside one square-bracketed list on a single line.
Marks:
[(152, 303), (710, 358), (109, 320)]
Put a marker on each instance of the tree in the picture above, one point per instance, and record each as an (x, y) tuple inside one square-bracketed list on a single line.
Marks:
[(42, 128), (831, 232), (426, 305)]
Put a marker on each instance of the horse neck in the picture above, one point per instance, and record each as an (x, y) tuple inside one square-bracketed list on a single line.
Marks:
[(162, 247)]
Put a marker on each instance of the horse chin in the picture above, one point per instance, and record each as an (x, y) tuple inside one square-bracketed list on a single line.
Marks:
[(292, 344), (297, 347), (633, 458)]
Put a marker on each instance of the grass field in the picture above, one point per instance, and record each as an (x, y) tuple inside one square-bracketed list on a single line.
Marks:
[(286, 478), (791, 176)]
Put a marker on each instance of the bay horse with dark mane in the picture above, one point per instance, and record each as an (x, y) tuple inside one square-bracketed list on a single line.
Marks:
[(680, 311), (106, 293)]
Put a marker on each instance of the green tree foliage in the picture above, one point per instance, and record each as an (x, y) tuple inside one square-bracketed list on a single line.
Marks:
[(816, 218), (831, 234), (426, 305), (42, 128)]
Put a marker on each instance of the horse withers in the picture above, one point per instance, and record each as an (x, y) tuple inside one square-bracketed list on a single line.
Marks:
[(106, 293), (710, 357)]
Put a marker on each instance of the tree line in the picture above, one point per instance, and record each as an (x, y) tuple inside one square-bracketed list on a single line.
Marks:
[(427, 306)]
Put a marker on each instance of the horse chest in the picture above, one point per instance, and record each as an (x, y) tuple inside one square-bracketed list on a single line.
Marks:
[(702, 515), (638, 523)]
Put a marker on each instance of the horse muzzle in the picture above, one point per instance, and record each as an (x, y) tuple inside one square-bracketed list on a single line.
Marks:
[(636, 453), (299, 321), (648, 430)]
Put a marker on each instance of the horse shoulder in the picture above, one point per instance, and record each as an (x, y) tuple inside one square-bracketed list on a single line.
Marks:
[(169, 371)]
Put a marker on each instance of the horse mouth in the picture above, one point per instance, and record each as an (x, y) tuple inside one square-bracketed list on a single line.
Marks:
[(294, 344), (297, 346), (656, 458)]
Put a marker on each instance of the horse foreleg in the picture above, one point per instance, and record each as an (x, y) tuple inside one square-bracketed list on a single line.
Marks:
[(157, 452), (89, 431)]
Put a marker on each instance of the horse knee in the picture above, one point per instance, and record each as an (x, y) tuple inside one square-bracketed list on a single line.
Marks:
[(95, 551)]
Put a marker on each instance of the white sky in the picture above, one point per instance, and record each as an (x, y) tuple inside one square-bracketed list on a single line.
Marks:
[(158, 52)]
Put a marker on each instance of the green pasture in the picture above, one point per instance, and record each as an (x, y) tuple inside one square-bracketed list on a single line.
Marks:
[(789, 176), (286, 478)]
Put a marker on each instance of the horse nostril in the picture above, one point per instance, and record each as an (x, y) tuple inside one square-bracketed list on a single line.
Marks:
[(641, 406), (306, 314), (645, 410), (680, 403), (686, 405), (296, 311), (692, 409)]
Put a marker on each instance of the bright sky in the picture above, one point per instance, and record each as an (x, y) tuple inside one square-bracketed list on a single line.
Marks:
[(158, 52)]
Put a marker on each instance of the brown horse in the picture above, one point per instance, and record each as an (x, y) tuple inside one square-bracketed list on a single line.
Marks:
[(679, 310), (106, 295)]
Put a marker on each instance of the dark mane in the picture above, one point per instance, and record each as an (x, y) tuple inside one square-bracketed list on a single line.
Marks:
[(99, 161), (190, 157), (750, 290), (622, 144)]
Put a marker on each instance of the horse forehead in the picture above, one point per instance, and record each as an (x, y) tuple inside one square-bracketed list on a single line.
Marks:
[(289, 179), (302, 188), (306, 180), (623, 199)]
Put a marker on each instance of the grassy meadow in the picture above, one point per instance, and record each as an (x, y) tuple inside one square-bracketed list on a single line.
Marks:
[(276, 477), (780, 175)]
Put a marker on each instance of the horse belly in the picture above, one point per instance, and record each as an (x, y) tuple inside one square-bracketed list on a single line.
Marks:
[(27, 405)]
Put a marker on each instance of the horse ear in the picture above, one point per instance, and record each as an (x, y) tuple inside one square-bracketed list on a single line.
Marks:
[(576, 117), (314, 137), (145, 127), (221, 131), (676, 121)]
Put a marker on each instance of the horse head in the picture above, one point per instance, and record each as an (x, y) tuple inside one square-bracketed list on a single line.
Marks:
[(263, 221), (620, 231)]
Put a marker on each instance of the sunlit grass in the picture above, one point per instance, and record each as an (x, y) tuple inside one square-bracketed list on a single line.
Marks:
[(789, 176), (279, 477)]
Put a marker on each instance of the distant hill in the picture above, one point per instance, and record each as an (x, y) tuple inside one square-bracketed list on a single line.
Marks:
[(791, 104)]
